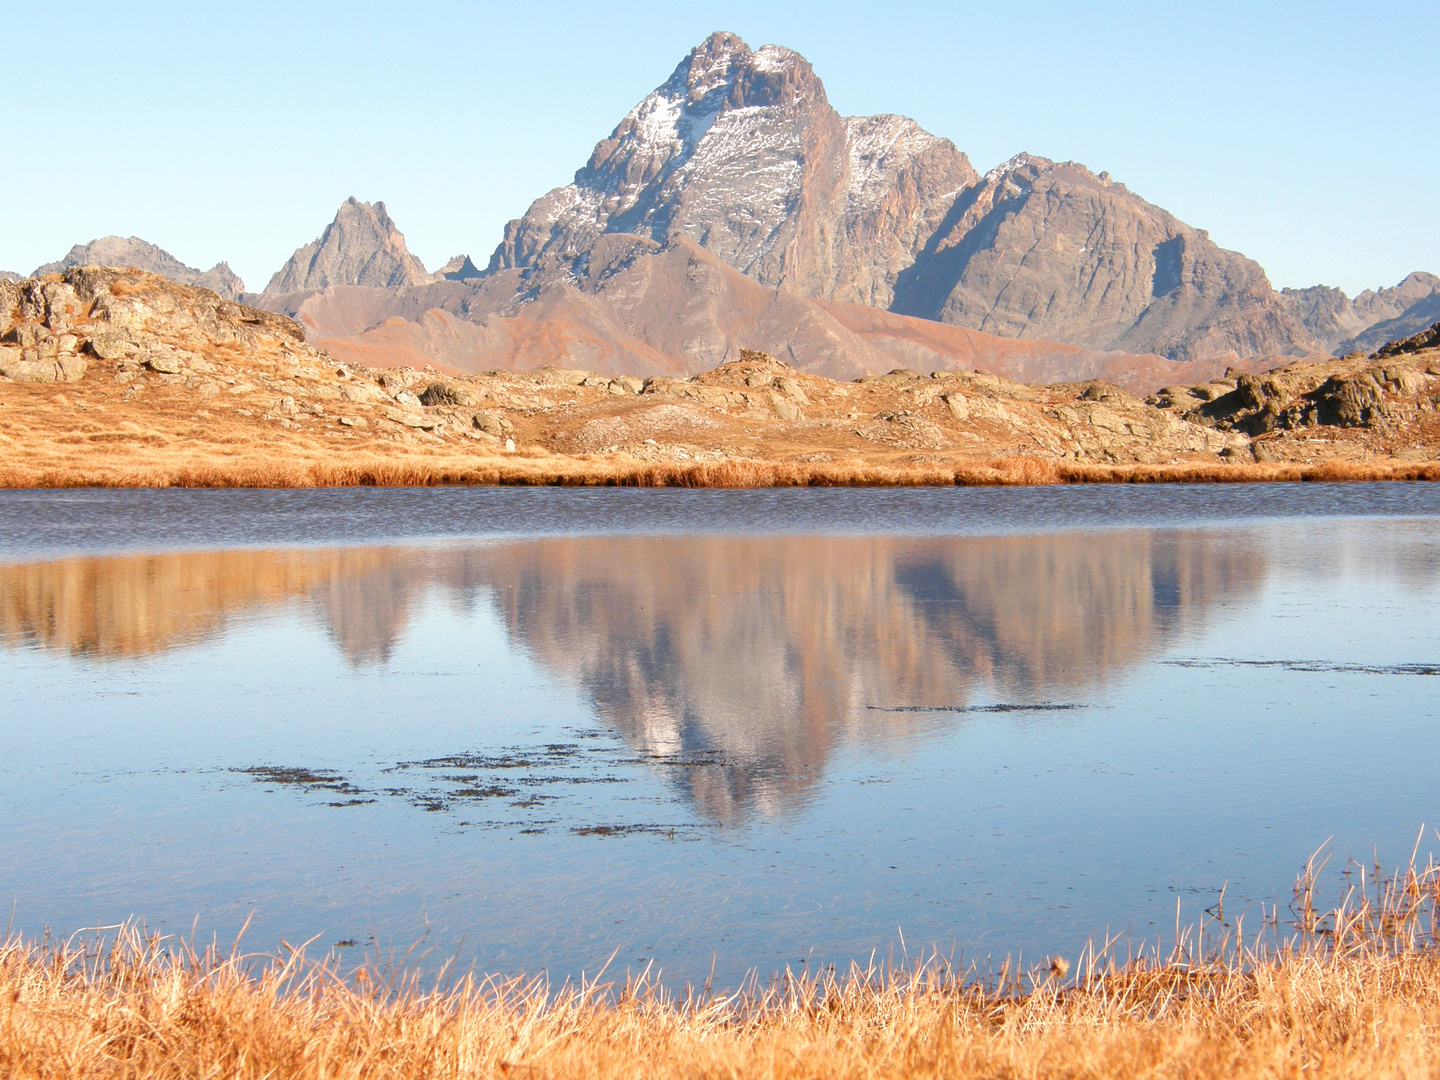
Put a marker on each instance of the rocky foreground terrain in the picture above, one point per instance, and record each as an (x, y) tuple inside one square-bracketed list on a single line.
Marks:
[(125, 377)]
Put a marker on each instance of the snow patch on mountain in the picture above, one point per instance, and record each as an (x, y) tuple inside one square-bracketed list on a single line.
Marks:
[(878, 148), (1007, 169), (772, 59)]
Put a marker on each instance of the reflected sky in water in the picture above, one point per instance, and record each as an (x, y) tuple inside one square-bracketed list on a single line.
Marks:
[(751, 748)]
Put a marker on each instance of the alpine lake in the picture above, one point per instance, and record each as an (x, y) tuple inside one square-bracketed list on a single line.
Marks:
[(711, 733)]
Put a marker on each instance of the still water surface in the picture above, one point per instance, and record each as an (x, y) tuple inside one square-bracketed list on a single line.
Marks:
[(707, 729)]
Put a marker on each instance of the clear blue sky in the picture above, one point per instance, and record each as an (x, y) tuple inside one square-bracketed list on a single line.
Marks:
[(1305, 135)]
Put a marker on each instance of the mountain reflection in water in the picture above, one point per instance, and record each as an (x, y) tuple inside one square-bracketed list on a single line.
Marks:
[(763, 653)]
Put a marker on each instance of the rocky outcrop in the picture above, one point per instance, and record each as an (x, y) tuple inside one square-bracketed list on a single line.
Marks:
[(1421, 342), (123, 253), (1398, 391), (53, 328), (740, 151), (172, 384), (361, 246)]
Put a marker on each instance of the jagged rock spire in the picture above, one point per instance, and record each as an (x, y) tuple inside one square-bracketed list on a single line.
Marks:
[(361, 246)]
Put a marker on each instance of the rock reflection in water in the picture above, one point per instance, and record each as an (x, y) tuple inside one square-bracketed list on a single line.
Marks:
[(761, 654), (767, 652)]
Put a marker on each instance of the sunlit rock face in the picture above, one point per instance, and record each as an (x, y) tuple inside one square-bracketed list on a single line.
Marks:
[(740, 152), (742, 664)]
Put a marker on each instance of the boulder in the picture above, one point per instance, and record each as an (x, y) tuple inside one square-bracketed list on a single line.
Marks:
[(361, 392), (439, 393), (791, 389), (164, 364), (413, 419), (27, 365), (784, 408), (493, 424), (627, 384)]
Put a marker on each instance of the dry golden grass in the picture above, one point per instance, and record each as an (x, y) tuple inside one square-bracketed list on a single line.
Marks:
[(1356, 993), (438, 468)]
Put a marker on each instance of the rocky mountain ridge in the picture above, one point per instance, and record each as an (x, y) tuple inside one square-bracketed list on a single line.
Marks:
[(740, 154), (122, 252), (1045, 249), (740, 151), (734, 208), (1372, 318)]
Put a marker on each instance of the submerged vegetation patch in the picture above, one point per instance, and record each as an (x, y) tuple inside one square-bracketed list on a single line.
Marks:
[(506, 779), (999, 707), (1308, 666), (303, 778)]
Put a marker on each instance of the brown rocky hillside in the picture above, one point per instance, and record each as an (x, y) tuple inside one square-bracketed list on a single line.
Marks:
[(639, 308), (123, 377)]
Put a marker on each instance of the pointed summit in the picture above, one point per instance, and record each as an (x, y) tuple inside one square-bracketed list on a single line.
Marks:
[(460, 268), (361, 246)]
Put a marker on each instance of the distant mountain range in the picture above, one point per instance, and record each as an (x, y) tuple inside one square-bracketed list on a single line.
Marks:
[(734, 207)]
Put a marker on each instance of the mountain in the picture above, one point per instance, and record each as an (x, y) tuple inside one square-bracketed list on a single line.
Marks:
[(642, 309), (1051, 250), (741, 152), (123, 252), (361, 246), (734, 208), (1414, 320), (1369, 320), (460, 268)]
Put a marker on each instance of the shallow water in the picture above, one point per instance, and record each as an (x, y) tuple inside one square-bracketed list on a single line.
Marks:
[(728, 730)]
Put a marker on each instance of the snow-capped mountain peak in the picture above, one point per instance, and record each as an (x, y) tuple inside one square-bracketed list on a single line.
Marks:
[(740, 150)]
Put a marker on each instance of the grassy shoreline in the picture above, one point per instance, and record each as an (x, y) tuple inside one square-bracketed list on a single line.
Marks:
[(1354, 992), (431, 470), (139, 1012)]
